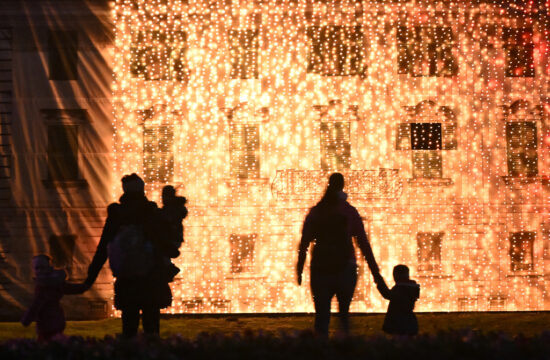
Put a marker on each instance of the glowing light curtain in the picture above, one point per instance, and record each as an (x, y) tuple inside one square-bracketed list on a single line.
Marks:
[(436, 112)]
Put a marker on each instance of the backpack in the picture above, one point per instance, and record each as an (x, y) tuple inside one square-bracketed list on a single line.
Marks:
[(333, 246), (130, 253)]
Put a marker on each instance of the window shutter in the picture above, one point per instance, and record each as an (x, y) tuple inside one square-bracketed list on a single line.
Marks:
[(403, 137), (252, 146), (449, 136), (335, 145), (427, 164), (244, 151), (235, 150)]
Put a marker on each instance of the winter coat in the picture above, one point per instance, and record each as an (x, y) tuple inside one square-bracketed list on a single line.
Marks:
[(46, 309), (173, 215), (150, 290), (400, 318), (332, 228)]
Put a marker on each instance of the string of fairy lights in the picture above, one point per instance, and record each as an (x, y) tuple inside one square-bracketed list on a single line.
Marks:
[(436, 112)]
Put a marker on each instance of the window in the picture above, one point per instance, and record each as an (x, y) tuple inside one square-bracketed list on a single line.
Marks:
[(429, 251), (335, 145), (159, 55), (497, 302), (426, 136), (97, 309), (158, 156), (518, 44), (521, 250), (336, 50), (243, 46), (242, 252), (245, 151), (63, 128), (426, 51), (521, 148), (63, 55), (431, 130), (427, 164), (62, 152)]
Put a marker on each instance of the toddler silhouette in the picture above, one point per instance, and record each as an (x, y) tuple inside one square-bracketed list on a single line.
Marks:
[(400, 318), (49, 288)]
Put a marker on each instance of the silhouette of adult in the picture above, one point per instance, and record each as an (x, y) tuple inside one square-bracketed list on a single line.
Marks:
[(332, 224), (148, 291)]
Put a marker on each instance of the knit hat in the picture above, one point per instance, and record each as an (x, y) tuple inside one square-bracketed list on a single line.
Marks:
[(133, 184), (336, 181)]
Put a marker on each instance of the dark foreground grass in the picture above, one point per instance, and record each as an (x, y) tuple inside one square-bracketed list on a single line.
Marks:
[(446, 336), (299, 345), (190, 326)]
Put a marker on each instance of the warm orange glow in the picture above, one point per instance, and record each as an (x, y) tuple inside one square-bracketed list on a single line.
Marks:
[(435, 113)]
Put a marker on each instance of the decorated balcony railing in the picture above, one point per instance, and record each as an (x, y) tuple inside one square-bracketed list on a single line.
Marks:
[(382, 184)]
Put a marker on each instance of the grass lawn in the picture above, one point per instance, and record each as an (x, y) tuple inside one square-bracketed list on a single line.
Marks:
[(189, 326)]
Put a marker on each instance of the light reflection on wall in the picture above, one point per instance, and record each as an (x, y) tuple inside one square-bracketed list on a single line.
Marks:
[(435, 112)]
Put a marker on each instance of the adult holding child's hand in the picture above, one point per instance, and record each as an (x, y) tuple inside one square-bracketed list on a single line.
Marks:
[(332, 224), (135, 241)]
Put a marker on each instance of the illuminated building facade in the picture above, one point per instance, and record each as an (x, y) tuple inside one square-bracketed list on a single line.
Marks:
[(436, 112)]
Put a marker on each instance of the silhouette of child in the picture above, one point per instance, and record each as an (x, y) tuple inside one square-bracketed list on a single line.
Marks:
[(400, 318), (173, 211), (49, 288)]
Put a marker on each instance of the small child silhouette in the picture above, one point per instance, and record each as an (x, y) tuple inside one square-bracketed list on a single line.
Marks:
[(174, 211), (49, 288), (400, 318)]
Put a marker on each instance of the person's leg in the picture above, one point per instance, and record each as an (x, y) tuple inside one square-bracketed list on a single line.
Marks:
[(322, 292), (151, 320), (344, 294), (130, 321)]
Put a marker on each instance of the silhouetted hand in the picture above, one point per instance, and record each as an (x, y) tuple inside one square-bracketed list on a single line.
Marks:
[(299, 278), (87, 284)]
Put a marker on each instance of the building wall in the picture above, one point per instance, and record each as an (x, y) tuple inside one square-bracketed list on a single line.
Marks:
[(247, 126), (40, 214)]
